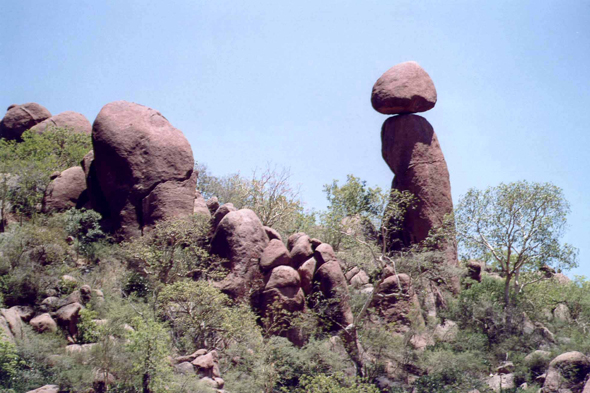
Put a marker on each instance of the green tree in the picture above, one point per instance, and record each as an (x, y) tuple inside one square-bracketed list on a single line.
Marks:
[(84, 226), (149, 345), (26, 167), (517, 227)]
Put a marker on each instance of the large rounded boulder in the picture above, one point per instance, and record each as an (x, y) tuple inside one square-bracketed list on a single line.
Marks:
[(73, 121), (404, 88), (567, 371), (20, 118), (65, 190), (240, 238), (143, 166)]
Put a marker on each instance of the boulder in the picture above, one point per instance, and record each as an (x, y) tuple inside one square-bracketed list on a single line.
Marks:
[(562, 313), (411, 149), (14, 322), (43, 323), (351, 273), (306, 272), (24, 312), (46, 389), (474, 270), (332, 285), (499, 383), (396, 301), (360, 279), (273, 234), (212, 205), (275, 254), (185, 368), (567, 371), (281, 298), (447, 332), (207, 365), (67, 317), (221, 212), (324, 253), (300, 250), (283, 276), (505, 368), (20, 118), (74, 121), (200, 205), (143, 166), (404, 88), (65, 190), (241, 239)]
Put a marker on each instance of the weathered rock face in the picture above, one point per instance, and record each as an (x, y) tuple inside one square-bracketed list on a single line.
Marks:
[(275, 254), (20, 118), (74, 121), (567, 371), (241, 238), (404, 88), (65, 190), (411, 149), (396, 301), (332, 284), (283, 293), (143, 166), (200, 205)]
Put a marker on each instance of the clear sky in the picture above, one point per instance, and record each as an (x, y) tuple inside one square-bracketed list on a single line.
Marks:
[(289, 82)]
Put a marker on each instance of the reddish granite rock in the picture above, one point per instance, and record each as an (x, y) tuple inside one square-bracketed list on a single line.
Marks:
[(74, 121), (65, 190), (404, 88), (20, 118)]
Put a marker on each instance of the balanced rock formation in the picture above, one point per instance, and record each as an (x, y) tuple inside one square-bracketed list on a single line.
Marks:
[(404, 88), (73, 121), (65, 190), (20, 118), (143, 167)]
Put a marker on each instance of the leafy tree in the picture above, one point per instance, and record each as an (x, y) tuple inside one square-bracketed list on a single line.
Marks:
[(26, 167), (268, 193), (84, 226), (203, 317), (149, 345), (173, 250), (517, 227)]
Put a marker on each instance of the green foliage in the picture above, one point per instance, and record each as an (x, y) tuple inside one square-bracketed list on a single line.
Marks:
[(516, 227), (33, 256), (268, 193), (88, 330), (9, 360), (203, 317), (336, 383), (173, 250), (84, 226), (25, 167), (450, 371), (149, 346)]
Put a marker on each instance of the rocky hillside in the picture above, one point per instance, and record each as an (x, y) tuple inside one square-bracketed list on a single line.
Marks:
[(125, 268)]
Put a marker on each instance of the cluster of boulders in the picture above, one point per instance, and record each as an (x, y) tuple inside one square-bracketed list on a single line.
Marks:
[(411, 149), (275, 278), (20, 118), (203, 364)]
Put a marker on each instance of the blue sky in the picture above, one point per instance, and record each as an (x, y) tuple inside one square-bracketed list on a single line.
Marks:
[(289, 82)]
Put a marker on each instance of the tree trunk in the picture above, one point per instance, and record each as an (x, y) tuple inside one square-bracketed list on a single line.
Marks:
[(146, 383), (507, 303)]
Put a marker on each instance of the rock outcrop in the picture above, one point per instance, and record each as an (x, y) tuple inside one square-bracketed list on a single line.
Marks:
[(65, 190), (567, 371), (74, 121), (241, 239), (20, 118), (143, 167), (404, 88)]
